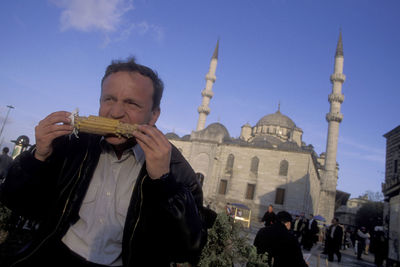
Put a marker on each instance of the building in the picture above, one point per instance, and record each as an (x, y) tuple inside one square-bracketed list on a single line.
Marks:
[(391, 191), (347, 212), (269, 163)]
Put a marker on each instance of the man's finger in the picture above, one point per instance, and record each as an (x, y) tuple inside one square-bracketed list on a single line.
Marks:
[(56, 117)]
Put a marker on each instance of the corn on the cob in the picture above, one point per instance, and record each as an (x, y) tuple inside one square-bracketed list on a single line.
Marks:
[(103, 126)]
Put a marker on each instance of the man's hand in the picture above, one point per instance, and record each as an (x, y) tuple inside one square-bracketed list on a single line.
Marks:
[(156, 148), (55, 125)]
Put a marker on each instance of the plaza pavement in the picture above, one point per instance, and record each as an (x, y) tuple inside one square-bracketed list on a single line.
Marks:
[(317, 259), (349, 259)]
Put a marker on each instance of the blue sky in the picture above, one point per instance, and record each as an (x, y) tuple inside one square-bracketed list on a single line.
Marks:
[(53, 54)]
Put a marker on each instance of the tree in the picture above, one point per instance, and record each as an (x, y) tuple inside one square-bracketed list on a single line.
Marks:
[(228, 245), (374, 196), (370, 215)]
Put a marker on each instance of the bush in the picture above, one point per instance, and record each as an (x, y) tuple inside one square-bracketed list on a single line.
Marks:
[(228, 245)]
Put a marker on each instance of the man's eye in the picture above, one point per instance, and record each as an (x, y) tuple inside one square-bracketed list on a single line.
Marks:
[(132, 103)]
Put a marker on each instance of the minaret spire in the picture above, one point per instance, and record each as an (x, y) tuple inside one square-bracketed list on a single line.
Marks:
[(207, 93), (334, 118), (339, 47)]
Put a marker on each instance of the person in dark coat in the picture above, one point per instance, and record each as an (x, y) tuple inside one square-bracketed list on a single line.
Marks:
[(269, 217), (334, 240), (298, 226), (5, 162), (108, 200), (310, 233), (282, 247), (379, 246)]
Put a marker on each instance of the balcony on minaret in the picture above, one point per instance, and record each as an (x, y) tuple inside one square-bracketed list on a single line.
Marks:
[(338, 77), (338, 117), (336, 98), (207, 93), (204, 109), (211, 77)]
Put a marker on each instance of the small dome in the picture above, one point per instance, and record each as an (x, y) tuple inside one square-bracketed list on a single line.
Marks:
[(173, 136), (289, 145), (277, 119), (186, 137), (217, 128), (265, 139)]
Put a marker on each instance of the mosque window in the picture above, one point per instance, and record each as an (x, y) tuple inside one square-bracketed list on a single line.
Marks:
[(223, 184), (251, 188), (280, 196), (229, 163), (200, 178), (254, 165), (283, 168)]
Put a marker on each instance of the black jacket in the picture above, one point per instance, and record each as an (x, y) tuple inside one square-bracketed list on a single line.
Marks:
[(280, 245), (335, 242), (163, 223)]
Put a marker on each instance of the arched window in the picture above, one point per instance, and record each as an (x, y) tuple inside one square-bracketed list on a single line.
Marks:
[(254, 165), (229, 163), (200, 178), (283, 168)]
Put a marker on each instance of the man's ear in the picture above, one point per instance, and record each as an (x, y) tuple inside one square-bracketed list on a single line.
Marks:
[(155, 113)]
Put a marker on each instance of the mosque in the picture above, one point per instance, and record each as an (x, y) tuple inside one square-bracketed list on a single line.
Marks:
[(269, 163)]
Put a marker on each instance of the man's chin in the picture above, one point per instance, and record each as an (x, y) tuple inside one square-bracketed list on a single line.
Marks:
[(116, 141), (120, 142)]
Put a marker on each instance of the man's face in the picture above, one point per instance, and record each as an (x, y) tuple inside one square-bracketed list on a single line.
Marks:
[(128, 97), (270, 209)]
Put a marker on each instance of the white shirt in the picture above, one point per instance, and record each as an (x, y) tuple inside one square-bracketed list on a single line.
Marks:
[(333, 230), (97, 235)]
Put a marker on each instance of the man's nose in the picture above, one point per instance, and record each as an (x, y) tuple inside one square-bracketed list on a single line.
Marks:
[(117, 111)]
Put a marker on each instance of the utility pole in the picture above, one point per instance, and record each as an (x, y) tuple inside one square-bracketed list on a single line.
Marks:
[(5, 120)]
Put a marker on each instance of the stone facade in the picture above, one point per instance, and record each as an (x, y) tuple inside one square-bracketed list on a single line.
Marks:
[(252, 173), (391, 191)]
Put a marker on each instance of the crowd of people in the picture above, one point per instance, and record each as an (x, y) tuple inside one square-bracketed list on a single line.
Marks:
[(284, 236)]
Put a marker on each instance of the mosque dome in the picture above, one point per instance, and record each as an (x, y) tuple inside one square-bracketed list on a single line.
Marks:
[(217, 129), (173, 136), (276, 119)]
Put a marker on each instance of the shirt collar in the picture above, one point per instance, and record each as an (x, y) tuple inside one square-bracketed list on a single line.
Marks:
[(136, 150)]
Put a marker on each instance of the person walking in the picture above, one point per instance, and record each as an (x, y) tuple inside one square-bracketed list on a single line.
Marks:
[(310, 233), (282, 247), (361, 237), (334, 240), (269, 217), (5, 162), (379, 246)]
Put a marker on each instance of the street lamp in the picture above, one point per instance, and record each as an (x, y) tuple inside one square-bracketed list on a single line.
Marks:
[(5, 120)]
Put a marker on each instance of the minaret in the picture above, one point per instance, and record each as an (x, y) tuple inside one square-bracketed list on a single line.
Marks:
[(207, 93), (334, 117)]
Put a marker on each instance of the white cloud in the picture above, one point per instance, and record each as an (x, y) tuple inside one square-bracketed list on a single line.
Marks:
[(89, 15), (106, 16)]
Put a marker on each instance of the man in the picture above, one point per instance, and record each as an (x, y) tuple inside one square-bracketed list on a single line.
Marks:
[(379, 245), (269, 217), (282, 247), (310, 233), (5, 162), (334, 240), (362, 236), (109, 201), (298, 226)]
